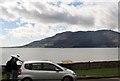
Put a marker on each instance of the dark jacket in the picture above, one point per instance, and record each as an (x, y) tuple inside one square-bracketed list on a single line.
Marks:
[(14, 65), (9, 66)]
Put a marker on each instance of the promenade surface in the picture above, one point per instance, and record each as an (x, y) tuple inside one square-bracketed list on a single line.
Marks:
[(97, 77)]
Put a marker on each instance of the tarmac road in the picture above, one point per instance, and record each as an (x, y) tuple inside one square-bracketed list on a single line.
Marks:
[(103, 79), (100, 79)]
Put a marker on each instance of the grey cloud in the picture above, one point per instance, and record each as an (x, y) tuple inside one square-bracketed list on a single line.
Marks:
[(119, 16), (2, 1), (48, 16), (57, 17), (23, 13), (111, 17), (5, 13), (39, 6)]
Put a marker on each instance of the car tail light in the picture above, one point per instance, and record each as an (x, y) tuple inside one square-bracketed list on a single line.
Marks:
[(19, 71)]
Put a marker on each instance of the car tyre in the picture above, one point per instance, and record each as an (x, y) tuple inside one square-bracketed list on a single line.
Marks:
[(68, 78), (27, 79)]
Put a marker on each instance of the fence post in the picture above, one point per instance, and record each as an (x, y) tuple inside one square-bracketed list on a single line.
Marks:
[(89, 65)]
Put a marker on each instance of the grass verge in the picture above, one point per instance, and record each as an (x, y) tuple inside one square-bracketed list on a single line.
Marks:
[(99, 72)]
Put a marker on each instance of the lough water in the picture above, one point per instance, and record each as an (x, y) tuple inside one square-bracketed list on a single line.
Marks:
[(61, 54)]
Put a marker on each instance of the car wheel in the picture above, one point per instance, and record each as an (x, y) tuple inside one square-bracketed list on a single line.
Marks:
[(67, 78), (27, 79)]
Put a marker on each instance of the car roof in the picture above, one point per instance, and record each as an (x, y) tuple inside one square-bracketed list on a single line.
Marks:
[(25, 62)]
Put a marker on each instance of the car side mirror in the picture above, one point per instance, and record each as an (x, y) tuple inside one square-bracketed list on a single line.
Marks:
[(56, 69)]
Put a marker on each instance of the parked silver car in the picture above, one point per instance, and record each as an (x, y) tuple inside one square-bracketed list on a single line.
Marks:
[(45, 71)]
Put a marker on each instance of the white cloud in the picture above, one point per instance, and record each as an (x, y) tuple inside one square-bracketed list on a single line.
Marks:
[(101, 0), (27, 31), (2, 38)]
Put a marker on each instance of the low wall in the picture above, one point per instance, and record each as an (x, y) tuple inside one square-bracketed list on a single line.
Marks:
[(92, 65), (88, 65)]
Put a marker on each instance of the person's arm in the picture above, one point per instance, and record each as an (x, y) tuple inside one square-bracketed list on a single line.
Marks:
[(19, 60)]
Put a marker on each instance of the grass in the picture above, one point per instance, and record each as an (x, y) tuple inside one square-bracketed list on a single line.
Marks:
[(98, 72)]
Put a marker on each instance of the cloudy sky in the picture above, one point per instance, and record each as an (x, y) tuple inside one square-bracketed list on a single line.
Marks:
[(23, 21)]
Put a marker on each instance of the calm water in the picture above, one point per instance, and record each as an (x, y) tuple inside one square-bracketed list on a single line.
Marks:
[(61, 54)]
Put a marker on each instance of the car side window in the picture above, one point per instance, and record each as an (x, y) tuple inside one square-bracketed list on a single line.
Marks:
[(28, 66), (34, 66), (37, 66), (50, 67)]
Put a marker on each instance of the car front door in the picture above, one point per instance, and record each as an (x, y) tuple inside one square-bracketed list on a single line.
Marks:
[(36, 71), (52, 72)]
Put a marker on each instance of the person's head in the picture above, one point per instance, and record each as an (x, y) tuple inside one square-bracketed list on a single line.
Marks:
[(15, 57)]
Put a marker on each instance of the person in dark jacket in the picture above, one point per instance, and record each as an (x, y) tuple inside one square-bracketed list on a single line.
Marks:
[(15, 67), (12, 67)]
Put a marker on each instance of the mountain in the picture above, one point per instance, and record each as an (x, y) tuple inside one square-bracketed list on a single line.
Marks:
[(80, 39)]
